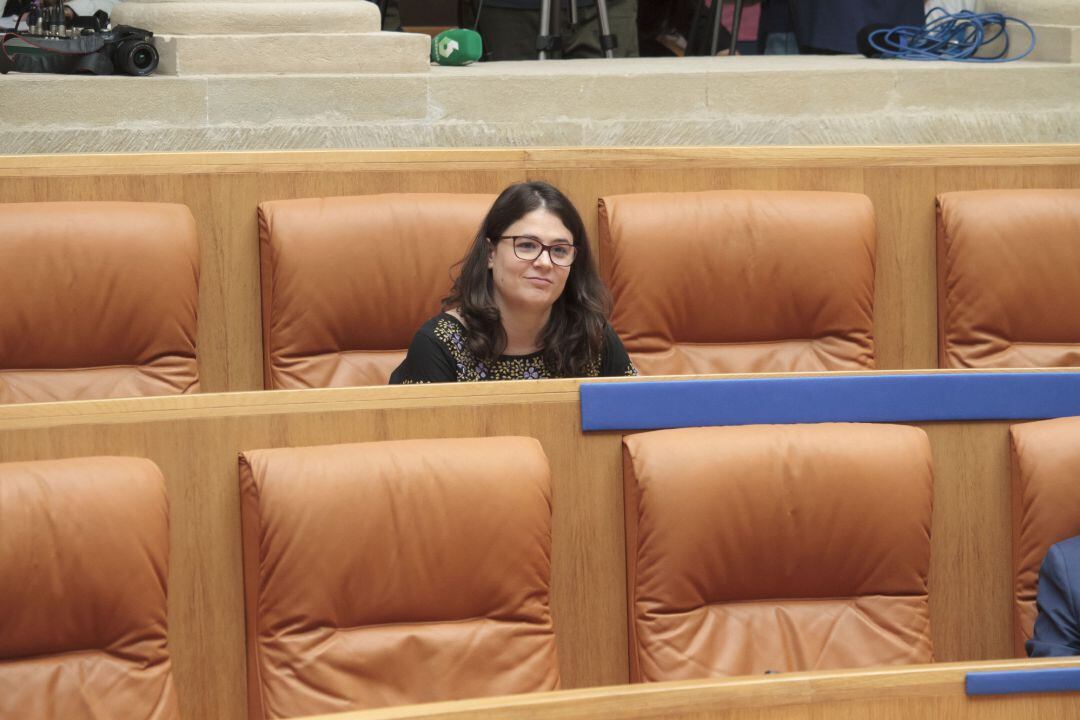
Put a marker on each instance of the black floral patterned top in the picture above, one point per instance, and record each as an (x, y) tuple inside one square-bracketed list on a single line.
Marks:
[(439, 353)]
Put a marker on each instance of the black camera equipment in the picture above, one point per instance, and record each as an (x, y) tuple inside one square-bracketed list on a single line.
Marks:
[(549, 41), (707, 34), (54, 43)]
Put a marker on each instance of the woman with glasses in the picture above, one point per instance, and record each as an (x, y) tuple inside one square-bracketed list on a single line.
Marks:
[(527, 304)]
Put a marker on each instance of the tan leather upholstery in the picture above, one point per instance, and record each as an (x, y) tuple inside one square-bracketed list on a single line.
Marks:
[(84, 547), (777, 547), (1046, 507), (741, 281), (1007, 278), (347, 281), (97, 300), (396, 572)]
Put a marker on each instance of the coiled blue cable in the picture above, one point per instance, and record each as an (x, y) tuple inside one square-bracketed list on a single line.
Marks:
[(950, 36)]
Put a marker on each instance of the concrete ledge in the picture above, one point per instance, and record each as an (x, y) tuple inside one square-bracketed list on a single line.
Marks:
[(66, 102), (294, 53), (326, 100), (1053, 43), (692, 101), (1056, 43), (1042, 12), (960, 129), (230, 17)]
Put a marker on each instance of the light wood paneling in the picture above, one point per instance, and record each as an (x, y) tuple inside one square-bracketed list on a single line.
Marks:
[(905, 292), (927, 691), (971, 547), (223, 190), (195, 441)]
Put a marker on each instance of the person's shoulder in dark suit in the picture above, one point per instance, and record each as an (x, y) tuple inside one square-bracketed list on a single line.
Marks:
[(1057, 628)]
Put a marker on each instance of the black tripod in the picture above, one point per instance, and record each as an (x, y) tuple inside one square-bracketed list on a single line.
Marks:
[(550, 38), (699, 43)]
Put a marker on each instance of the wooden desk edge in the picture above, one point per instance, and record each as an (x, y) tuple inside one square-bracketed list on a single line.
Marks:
[(942, 679), (24, 415), (539, 158)]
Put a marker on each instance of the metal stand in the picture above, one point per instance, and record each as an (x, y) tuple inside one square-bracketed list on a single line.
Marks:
[(544, 41), (715, 13), (549, 40), (736, 20), (608, 42)]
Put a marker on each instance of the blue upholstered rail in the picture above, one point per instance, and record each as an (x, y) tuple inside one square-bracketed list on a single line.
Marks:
[(1007, 682), (839, 398)]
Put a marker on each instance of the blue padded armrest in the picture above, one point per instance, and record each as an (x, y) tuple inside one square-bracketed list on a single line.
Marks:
[(844, 398), (1007, 682)]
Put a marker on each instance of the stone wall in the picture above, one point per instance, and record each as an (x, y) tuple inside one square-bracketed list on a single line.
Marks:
[(794, 100), (271, 74)]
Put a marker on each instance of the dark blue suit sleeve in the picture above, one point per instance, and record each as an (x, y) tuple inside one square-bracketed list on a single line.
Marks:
[(1057, 628)]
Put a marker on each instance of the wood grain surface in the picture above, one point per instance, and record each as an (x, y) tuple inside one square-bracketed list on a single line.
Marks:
[(195, 441), (922, 691), (224, 189)]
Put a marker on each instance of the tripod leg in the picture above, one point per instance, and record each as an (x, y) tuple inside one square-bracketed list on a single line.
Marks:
[(717, 11), (694, 45), (556, 29), (608, 42), (543, 42), (793, 18), (735, 21)]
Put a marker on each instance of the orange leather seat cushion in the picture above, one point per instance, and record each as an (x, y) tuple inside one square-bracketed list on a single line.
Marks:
[(398, 572), (84, 557), (1046, 506), (1007, 278), (777, 547), (741, 281), (347, 281), (97, 300)]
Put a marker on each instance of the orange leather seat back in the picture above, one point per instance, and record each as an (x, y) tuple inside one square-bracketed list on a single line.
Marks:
[(777, 547), (347, 281), (397, 572), (1007, 268), (1045, 507), (741, 281), (84, 556), (97, 300)]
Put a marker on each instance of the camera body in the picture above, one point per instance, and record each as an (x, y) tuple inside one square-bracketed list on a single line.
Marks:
[(130, 49), (61, 49)]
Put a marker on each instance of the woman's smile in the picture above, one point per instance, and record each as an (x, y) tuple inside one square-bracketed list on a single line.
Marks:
[(521, 277), (527, 302)]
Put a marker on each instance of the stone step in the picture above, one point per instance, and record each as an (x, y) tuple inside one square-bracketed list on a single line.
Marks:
[(1041, 12), (772, 100), (233, 17), (1054, 43), (294, 54)]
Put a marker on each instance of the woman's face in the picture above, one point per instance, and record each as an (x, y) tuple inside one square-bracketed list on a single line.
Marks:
[(530, 284)]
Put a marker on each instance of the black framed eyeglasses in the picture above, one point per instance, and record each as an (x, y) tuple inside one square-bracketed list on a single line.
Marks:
[(526, 247)]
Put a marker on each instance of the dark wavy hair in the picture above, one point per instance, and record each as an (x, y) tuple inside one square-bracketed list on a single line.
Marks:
[(574, 333)]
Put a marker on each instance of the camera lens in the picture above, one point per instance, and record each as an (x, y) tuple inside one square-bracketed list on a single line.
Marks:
[(136, 57)]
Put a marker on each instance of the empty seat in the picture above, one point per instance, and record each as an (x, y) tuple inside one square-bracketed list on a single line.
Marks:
[(397, 572), (97, 300), (84, 555), (347, 281), (776, 547), (1046, 507), (741, 281), (1007, 267)]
